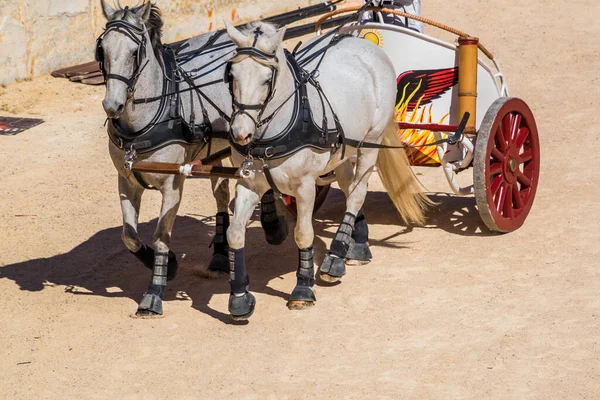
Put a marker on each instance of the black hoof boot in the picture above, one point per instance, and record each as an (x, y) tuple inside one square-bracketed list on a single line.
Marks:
[(219, 264), (151, 304), (275, 227), (303, 295), (241, 308), (332, 269), (146, 255), (359, 254)]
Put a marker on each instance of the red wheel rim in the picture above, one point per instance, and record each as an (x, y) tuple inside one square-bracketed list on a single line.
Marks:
[(509, 168), (290, 202)]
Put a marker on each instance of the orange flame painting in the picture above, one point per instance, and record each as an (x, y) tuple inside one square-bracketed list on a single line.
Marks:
[(415, 137)]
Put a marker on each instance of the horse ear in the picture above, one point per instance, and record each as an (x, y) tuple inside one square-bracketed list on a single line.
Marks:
[(146, 12), (235, 35), (143, 12), (279, 36), (108, 11)]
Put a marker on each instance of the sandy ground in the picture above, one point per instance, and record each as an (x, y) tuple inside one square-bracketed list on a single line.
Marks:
[(445, 311)]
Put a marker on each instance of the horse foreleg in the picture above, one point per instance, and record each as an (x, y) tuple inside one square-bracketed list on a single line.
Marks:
[(350, 240), (241, 301), (303, 295), (165, 262), (130, 194)]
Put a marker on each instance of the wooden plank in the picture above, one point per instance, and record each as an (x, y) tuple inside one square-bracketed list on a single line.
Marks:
[(87, 67)]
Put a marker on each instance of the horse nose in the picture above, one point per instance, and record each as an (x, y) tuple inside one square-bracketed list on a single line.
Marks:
[(113, 109), (241, 134)]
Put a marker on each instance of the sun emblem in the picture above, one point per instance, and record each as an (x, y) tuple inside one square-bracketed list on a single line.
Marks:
[(372, 35)]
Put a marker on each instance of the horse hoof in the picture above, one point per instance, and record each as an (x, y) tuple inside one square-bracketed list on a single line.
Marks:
[(277, 232), (151, 305), (333, 266), (329, 278), (296, 305), (359, 254), (302, 297), (241, 308)]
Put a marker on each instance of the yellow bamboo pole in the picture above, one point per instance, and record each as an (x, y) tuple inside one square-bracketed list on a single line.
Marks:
[(467, 80)]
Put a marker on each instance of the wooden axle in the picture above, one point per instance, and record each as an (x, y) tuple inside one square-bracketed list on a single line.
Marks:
[(199, 170), (195, 168)]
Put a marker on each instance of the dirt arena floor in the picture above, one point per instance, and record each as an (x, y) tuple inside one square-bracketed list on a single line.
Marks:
[(447, 311)]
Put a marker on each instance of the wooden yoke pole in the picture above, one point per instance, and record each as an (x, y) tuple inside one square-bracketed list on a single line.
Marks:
[(467, 80)]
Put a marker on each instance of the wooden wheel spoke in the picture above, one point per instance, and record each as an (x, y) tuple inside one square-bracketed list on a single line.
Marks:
[(500, 139), (514, 128), (497, 154), (521, 137), (500, 198), (517, 200), (495, 169), (525, 181), (507, 206), (525, 156), (496, 183)]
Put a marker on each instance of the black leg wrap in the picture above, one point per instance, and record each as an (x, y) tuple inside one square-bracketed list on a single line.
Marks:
[(334, 263), (146, 255), (343, 237), (275, 227), (361, 229), (306, 277), (219, 261), (360, 248), (240, 307), (151, 303)]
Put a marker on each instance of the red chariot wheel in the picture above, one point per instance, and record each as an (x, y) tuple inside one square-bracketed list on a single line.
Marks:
[(290, 202), (506, 165)]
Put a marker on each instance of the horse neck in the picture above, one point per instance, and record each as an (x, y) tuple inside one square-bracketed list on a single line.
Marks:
[(150, 84), (284, 88)]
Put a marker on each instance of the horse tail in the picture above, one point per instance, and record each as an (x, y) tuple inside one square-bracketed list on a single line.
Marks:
[(399, 180)]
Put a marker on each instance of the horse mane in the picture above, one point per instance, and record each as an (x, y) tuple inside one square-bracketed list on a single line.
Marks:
[(154, 24)]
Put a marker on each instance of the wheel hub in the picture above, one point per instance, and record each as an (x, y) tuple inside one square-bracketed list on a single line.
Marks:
[(510, 164)]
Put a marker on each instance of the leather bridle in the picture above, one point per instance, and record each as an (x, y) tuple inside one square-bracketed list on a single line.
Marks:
[(261, 57), (138, 36)]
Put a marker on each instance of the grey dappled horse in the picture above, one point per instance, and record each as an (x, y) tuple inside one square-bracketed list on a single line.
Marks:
[(352, 101), (164, 127)]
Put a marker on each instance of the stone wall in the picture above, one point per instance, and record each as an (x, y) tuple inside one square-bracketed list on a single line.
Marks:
[(39, 36)]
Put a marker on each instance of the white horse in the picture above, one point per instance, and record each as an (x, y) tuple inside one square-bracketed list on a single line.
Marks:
[(354, 103), (149, 120)]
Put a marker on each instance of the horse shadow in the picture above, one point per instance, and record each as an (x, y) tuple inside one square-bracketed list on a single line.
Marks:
[(102, 266)]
